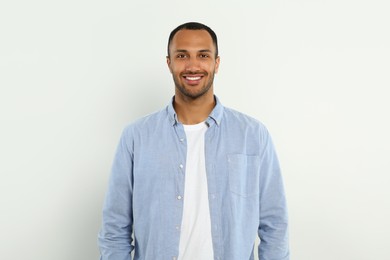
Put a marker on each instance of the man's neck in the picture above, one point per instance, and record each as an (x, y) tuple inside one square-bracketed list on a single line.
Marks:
[(193, 111)]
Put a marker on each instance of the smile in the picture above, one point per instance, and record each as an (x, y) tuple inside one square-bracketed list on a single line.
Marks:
[(193, 78)]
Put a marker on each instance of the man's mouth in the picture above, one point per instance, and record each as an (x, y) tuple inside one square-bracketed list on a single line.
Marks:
[(192, 79)]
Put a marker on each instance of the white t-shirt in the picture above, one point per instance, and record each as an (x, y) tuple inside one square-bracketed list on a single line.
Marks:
[(195, 235)]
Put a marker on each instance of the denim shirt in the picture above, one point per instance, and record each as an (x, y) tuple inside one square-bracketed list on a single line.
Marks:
[(144, 202)]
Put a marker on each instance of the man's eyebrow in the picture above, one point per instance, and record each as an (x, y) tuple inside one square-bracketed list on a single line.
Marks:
[(182, 50)]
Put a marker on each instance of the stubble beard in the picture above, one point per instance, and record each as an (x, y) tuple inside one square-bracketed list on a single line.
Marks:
[(194, 95)]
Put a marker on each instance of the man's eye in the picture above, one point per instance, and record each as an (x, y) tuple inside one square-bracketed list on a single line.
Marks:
[(181, 56), (204, 55)]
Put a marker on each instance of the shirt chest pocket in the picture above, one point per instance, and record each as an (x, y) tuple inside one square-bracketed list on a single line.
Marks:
[(244, 171)]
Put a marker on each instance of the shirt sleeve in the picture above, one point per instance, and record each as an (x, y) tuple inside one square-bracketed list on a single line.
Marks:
[(273, 227), (115, 236)]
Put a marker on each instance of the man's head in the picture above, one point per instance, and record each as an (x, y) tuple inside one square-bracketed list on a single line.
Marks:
[(194, 26), (193, 59)]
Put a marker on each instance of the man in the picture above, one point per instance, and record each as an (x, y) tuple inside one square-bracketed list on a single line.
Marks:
[(195, 180)]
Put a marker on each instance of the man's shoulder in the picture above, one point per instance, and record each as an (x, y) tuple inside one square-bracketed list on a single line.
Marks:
[(235, 116), (148, 121), (239, 123)]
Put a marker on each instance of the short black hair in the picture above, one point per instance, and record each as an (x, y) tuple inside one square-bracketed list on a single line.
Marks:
[(194, 26)]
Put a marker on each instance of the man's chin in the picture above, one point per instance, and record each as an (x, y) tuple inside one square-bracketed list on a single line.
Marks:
[(193, 94)]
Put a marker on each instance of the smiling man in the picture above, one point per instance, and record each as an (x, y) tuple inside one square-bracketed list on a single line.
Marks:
[(193, 61), (196, 180)]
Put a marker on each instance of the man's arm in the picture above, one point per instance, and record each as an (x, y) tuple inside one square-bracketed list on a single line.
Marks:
[(273, 227), (115, 235)]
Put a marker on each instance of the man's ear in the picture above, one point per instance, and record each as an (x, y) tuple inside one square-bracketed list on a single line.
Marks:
[(169, 63), (217, 61)]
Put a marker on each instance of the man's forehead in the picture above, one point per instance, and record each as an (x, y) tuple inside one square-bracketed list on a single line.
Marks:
[(192, 38)]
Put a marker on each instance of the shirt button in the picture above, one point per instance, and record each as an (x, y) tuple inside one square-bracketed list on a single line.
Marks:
[(181, 166), (181, 139), (174, 258), (179, 197), (177, 227)]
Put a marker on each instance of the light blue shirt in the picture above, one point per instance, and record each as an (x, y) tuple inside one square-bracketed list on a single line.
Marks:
[(146, 187)]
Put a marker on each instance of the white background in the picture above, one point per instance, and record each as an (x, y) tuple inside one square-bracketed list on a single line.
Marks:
[(74, 73)]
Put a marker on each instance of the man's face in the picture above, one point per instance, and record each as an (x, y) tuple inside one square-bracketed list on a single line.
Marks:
[(192, 62)]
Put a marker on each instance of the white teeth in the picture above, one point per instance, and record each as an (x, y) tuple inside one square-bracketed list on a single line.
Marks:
[(193, 78)]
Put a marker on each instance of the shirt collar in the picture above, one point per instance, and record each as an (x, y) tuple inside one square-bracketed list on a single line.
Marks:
[(214, 117)]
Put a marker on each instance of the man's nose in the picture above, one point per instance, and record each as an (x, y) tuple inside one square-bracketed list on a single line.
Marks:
[(193, 64)]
